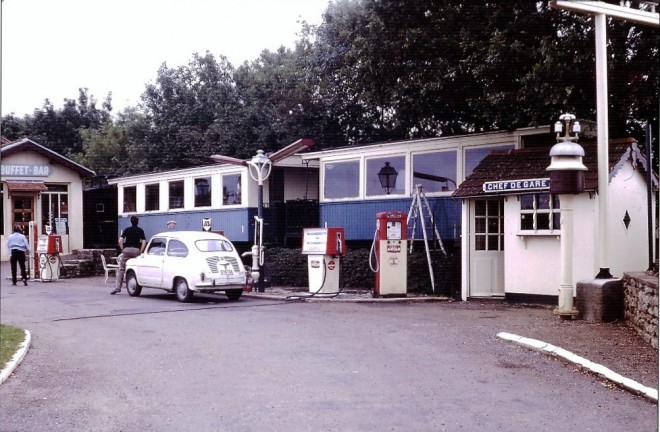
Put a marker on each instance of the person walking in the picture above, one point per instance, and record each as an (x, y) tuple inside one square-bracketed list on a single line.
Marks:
[(132, 243), (18, 247)]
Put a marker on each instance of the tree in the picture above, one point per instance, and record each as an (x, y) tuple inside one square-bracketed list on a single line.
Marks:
[(184, 103)]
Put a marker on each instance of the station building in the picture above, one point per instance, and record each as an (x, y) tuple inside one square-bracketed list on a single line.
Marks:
[(42, 187)]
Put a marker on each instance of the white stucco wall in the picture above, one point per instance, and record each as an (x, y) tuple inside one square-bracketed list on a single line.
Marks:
[(59, 174), (532, 263), (628, 246)]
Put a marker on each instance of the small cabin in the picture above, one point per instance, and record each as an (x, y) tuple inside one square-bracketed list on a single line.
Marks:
[(511, 223)]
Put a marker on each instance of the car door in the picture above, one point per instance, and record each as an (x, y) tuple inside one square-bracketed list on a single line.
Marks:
[(150, 272), (175, 262)]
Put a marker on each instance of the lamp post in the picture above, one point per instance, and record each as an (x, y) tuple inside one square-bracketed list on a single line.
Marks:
[(259, 168), (566, 179), (387, 176)]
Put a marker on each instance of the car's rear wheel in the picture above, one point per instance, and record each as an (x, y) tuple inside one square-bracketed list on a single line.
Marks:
[(134, 289), (234, 294), (183, 293)]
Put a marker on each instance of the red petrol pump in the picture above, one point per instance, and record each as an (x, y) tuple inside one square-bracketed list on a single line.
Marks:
[(49, 248), (324, 248), (390, 249)]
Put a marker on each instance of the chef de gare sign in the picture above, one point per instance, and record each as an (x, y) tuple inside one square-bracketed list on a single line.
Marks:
[(516, 185)]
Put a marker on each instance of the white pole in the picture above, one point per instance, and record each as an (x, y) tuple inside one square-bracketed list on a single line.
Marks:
[(565, 308), (600, 23)]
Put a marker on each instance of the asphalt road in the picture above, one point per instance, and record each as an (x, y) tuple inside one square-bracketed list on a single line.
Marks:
[(117, 363)]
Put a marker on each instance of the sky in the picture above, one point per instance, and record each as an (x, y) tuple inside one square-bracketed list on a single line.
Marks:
[(51, 48)]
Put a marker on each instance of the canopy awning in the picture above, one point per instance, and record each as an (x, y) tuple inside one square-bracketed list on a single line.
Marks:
[(26, 186)]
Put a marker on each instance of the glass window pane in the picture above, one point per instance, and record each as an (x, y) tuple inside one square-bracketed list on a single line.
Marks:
[(527, 221), (130, 195), (480, 242), (556, 220), (480, 225), (501, 242), (555, 202), (152, 197), (543, 201), (203, 192), (493, 242), (474, 155), (341, 179), (436, 172), (176, 194), (526, 202), (493, 225), (374, 166), (480, 208), (542, 221), (231, 189), (493, 208)]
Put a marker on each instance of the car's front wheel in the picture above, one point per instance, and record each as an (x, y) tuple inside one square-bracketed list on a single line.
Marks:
[(183, 293), (234, 294), (134, 289)]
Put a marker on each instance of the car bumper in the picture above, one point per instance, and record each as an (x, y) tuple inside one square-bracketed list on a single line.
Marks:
[(221, 284)]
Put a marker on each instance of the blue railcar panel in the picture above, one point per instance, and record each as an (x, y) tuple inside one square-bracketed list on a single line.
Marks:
[(237, 224), (358, 218)]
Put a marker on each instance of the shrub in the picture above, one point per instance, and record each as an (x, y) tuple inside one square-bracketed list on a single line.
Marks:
[(288, 267)]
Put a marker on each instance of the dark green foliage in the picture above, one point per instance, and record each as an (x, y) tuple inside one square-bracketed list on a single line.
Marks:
[(288, 268), (446, 272), (355, 271), (372, 71)]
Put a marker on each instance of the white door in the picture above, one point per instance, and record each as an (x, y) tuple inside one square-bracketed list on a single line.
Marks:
[(486, 248)]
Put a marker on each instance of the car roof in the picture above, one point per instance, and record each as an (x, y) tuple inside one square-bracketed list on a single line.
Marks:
[(191, 235)]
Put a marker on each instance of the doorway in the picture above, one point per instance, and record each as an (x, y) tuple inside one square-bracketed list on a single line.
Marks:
[(486, 248), (22, 212)]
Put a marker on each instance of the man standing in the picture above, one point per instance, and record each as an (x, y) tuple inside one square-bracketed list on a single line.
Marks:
[(18, 246), (132, 243)]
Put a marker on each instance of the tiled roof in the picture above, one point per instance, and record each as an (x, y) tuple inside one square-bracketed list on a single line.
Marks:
[(532, 164)]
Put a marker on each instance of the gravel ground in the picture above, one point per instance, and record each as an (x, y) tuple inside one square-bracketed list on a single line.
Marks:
[(613, 345)]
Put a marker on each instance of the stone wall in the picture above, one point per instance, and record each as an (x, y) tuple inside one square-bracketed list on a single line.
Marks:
[(641, 305), (85, 263)]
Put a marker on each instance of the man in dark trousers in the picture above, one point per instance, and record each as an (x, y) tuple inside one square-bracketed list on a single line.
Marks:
[(18, 246), (132, 243)]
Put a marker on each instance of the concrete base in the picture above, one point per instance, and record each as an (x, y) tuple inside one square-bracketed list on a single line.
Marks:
[(600, 300)]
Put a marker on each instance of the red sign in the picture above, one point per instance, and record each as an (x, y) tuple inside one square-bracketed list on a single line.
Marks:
[(331, 265)]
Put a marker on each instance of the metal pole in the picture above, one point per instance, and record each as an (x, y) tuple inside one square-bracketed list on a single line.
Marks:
[(261, 284), (649, 196), (600, 23)]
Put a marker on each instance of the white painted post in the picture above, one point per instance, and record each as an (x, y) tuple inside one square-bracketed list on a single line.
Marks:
[(566, 268)]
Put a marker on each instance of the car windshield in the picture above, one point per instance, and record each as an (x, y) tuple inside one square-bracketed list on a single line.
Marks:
[(214, 245)]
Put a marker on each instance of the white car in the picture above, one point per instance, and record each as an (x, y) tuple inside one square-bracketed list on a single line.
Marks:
[(185, 262)]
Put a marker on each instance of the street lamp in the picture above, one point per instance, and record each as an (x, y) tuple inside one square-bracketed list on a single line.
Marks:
[(387, 176), (259, 168), (566, 179)]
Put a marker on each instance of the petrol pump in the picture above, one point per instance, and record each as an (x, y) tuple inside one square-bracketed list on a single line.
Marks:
[(323, 247), (49, 248), (390, 252)]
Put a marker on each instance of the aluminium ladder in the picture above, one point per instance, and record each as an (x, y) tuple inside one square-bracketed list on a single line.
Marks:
[(417, 206)]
